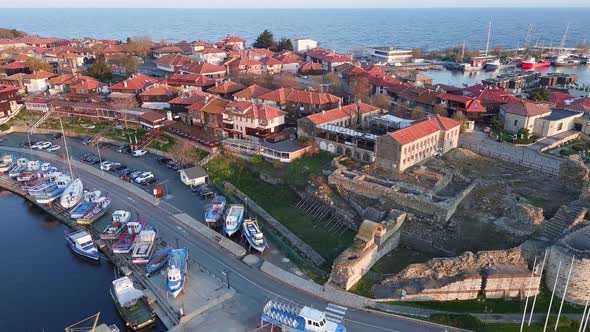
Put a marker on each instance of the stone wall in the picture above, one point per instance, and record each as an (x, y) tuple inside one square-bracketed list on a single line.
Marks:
[(464, 287), (510, 281)]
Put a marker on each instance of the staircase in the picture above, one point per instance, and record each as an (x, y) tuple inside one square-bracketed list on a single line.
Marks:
[(148, 138), (566, 217), (96, 138), (39, 122)]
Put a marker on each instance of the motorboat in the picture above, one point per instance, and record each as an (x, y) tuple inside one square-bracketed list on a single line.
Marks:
[(566, 60), (492, 65), (6, 163), (33, 165), (143, 246), (117, 226), (254, 235), (233, 219), (81, 243), (177, 265), (86, 205), (158, 260), (51, 192), (72, 195), (26, 175), (21, 166), (215, 210), (101, 206), (132, 304), (124, 243), (288, 317)]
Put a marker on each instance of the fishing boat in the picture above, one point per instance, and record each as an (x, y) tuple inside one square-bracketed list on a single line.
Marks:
[(116, 227), (124, 243), (233, 219), (6, 163), (132, 304), (100, 208), (158, 261), (492, 65), (81, 243), (33, 165), (143, 246), (254, 235), (565, 60), (532, 64), (177, 265), (215, 210), (72, 195), (25, 176), (52, 191), (86, 205), (292, 318), (21, 165)]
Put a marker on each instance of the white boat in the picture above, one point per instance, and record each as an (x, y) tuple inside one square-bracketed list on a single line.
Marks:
[(81, 243), (144, 245), (86, 205), (254, 235), (6, 163), (21, 165), (51, 192), (233, 219), (72, 195), (177, 265), (113, 230), (33, 165), (288, 317)]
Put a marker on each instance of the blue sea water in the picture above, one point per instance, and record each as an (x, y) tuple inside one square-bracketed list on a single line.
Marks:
[(341, 29)]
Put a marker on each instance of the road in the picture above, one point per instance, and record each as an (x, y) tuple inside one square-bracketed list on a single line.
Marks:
[(253, 287)]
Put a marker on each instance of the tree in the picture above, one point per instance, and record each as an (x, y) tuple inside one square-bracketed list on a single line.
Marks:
[(264, 40), (381, 101), (417, 53), (400, 111), (129, 62), (440, 110), (11, 33), (540, 95), (101, 70), (37, 65), (332, 78), (418, 113), (284, 44), (182, 152), (288, 80), (360, 88), (267, 81), (459, 116), (138, 45)]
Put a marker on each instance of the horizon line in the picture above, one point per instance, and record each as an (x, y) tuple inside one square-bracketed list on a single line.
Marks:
[(330, 8)]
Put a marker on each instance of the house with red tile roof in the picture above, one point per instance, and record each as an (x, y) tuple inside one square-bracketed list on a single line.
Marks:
[(211, 55), (172, 62), (271, 65), (226, 89), (290, 61), (490, 98), (152, 120), (15, 68), (404, 148), (203, 68), (158, 96), (242, 119), (414, 96), (44, 42), (469, 106), (16, 80), (74, 83), (231, 42), (189, 82), (159, 52), (37, 81), (348, 71), (10, 43), (329, 59), (136, 84), (199, 45), (243, 66), (208, 114), (251, 93), (179, 105), (8, 105), (300, 103), (522, 115), (352, 115), (311, 68)]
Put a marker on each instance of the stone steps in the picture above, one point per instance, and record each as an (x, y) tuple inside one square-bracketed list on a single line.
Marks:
[(565, 217)]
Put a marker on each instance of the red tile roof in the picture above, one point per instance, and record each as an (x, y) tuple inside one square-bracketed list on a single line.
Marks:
[(39, 75), (311, 67), (197, 80), (15, 65), (457, 98), (423, 129), (160, 90), (174, 60), (226, 87), (526, 108), (153, 116), (201, 67), (136, 83), (384, 81), (284, 95), (343, 112), (8, 88), (328, 55), (253, 91), (288, 57), (190, 98), (268, 61), (351, 70), (167, 50), (213, 105), (212, 50), (259, 112)]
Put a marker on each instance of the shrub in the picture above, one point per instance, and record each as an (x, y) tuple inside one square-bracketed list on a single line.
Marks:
[(580, 147), (566, 152), (463, 321), (257, 159)]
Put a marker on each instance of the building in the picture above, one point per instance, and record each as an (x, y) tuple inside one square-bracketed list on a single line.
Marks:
[(290, 61), (303, 45), (211, 55), (329, 59), (469, 106), (352, 115), (193, 176), (16, 80), (8, 105), (271, 65), (158, 97), (136, 84), (251, 93), (226, 89), (74, 83), (401, 149), (172, 62), (243, 66), (203, 68), (242, 119), (389, 55), (558, 121), (37, 81), (232, 42), (522, 115), (300, 103), (37, 104), (166, 50), (15, 68), (178, 105), (152, 120)]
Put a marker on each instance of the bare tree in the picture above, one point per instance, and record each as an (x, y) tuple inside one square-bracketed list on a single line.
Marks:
[(381, 101), (183, 152)]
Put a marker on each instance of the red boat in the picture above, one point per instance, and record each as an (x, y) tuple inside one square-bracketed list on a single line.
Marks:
[(531, 63), (124, 243)]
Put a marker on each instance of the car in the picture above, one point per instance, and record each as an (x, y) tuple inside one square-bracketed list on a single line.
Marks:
[(117, 168), (144, 177), (41, 145), (171, 164), (124, 149), (139, 152), (86, 140), (135, 174), (164, 160), (56, 136), (150, 181), (126, 172), (106, 165), (53, 148)]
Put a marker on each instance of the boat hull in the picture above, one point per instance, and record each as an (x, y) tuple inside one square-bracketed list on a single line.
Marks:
[(180, 257), (535, 65), (72, 195), (158, 261), (76, 250)]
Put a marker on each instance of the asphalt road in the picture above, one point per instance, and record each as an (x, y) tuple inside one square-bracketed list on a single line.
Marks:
[(254, 288)]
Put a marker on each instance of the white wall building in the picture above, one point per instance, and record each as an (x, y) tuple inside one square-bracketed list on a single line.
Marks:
[(389, 54), (303, 45)]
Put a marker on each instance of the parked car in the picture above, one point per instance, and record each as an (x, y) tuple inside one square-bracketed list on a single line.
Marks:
[(164, 160), (150, 181), (86, 140), (126, 172), (139, 152), (124, 149), (135, 174), (106, 165), (93, 160), (207, 194), (144, 177), (53, 148), (56, 136), (117, 168), (41, 145)]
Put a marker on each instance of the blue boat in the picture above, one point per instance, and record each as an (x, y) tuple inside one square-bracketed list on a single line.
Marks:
[(177, 265), (291, 318), (215, 210), (158, 261), (86, 205), (81, 243), (101, 206)]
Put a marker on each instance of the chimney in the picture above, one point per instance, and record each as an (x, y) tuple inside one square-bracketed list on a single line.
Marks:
[(125, 83)]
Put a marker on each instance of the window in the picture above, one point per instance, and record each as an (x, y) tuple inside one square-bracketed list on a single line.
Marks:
[(515, 122), (559, 126)]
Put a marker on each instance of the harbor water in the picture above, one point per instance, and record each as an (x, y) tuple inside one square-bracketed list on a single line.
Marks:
[(45, 286)]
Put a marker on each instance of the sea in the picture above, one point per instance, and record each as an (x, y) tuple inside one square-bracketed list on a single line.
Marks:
[(44, 285)]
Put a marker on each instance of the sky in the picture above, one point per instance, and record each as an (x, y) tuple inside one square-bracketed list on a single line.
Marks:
[(289, 4)]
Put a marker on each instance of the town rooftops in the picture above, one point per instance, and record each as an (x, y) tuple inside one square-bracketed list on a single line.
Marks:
[(343, 112), (268, 61), (38, 75), (226, 87), (259, 112), (201, 67), (197, 80), (7, 88), (135, 83), (16, 65), (284, 95), (213, 105), (309, 67), (168, 49), (423, 129), (288, 57), (160, 90), (212, 50), (253, 91), (327, 55), (526, 108), (174, 60), (351, 70), (190, 98)]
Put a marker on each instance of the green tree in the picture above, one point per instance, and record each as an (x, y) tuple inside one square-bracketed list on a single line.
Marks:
[(101, 70), (284, 44), (37, 65), (540, 95), (417, 53), (264, 40)]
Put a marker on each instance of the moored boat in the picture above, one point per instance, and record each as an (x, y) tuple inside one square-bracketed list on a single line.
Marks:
[(215, 210), (233, 219), (254, 235), (565, 60), (72, 195), (143, 246), (132, 304), (86, 205), (100, 208), (492, 65), (52, 191), (33, 165), (21, 166), (124, 243), (6, 163), (177, 265), (117, 226), (158, 261), (288, 317), (81, 243), (532, 64)]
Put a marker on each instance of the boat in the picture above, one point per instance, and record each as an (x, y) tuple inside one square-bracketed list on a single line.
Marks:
[(33, 165), (492, 65), (124, 243), (288, 317), (215, 210), (532, 64), (21, 165), (177, 265), (254, 235), (81, 243), (34, 183), (6, 163), (100, 208), (158, 261), (72, 195), (143, 246), (90, 324), (120, 219), (52, 190), (132, 304), (233, 219), (87, 204), (25, 175)]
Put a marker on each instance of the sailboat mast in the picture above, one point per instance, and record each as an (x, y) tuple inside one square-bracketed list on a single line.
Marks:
[(66, 147), (463, 51), (562, 45), (488, 41)]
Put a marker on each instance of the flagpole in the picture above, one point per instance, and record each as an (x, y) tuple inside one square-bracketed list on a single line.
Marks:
[(552, 294), (564, 291), (526, 294), (538, 286), (584, 313)]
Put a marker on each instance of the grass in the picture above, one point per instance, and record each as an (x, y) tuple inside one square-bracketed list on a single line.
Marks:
[(298, 172), (24, 117), (362, 288), (124, 134), (279, 201), (473, 323), (164, 147)]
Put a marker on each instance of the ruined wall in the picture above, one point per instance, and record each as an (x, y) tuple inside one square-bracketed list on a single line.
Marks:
[(510, 281), (465, 287)]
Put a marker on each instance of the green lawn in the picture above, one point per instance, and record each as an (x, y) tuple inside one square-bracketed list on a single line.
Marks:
[(473, 323), (280, 201), (164, 147)]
